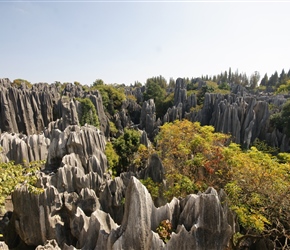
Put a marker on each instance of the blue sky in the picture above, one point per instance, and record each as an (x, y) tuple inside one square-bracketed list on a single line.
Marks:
[(123, 42)]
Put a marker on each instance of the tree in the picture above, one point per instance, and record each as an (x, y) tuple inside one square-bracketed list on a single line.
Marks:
[(285, 115), (201, 93), (282, 78), (159, 80), (113, 158), (281, 120), (98, 82), (273, 81), (126, 146), (264, 81), (254, 80), (88, 112), (112, 97), (171, 83), (154, 91), (191, 150), (284, 88), (259, 193), (257, 183)]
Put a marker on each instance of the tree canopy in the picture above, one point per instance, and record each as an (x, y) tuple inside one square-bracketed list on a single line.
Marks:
[(257, 183)]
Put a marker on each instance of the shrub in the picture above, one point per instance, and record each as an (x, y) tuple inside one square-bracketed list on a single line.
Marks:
[(89, 113)]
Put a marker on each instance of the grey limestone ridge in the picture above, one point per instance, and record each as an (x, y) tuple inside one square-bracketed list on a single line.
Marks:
[(77, 220), (82, 206)]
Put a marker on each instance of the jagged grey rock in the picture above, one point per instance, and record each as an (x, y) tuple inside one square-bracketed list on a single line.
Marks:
[(49, 245), (155, 169), (148, 118), (180, 92), (20, 148)]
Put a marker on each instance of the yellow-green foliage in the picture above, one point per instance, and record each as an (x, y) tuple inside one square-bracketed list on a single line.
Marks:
[(218, 89), (142, 155), (17, 83), (112, 97), (152, 187), (112, 157), (284, 88), (113, 129), (179, 186), (11, 175), (131, 97), (185, 147), (259, 187)]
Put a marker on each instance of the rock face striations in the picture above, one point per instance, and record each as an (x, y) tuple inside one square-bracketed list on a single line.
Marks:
[(77, 219), (82, 206)]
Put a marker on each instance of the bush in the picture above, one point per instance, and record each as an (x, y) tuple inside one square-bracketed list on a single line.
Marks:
[(112, 97), (126, 146), (89, 113), (112, 157), (11, 175)]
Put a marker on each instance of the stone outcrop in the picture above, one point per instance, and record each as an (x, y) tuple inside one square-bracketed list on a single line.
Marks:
[(148, 120), (26, 111), (30, 111), (20, 148), (199, 221)]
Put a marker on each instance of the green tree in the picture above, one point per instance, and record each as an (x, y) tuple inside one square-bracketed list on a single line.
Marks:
[(112, 97), (159, 80), (281, 120), (282, 78), (126, 146), (264, 81), (113, 158), (254, 80), (273, 81), (201, 93), (156, 92), (284, 88), (88, 112), (98, 82)]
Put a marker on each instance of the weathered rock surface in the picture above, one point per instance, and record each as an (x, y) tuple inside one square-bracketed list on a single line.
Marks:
[(148, 120), (199, 221), (21, 148), (26, 111)]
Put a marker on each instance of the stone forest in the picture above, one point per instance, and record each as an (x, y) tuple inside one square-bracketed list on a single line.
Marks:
[(201, 163)]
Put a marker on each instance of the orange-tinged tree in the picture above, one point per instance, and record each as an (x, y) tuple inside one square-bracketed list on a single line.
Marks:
[(257, 183), (192, 150)]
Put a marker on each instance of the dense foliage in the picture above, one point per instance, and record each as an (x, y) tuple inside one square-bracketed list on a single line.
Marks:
[(125, 146), (88, 112), (257, 183), (13, 174), (112, 96), (18, 82), (281, 120)]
